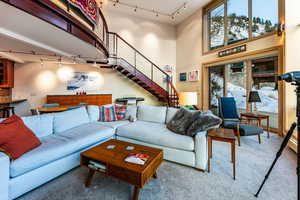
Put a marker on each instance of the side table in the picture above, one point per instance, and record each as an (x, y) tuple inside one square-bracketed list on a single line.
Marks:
[(258, 118), (222, 135)]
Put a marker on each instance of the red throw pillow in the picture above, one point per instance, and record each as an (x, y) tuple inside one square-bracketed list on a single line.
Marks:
[(121, 111), (15, 138)]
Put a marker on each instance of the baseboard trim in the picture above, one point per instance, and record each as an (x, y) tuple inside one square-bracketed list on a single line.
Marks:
[(293, 144)]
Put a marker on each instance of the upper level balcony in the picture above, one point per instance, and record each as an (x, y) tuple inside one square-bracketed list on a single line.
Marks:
[(58, 27)]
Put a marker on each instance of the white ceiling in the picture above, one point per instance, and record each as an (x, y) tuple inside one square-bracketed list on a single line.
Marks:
[(163, 6)]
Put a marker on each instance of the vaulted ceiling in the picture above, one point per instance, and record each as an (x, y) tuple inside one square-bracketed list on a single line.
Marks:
[(158, 10)]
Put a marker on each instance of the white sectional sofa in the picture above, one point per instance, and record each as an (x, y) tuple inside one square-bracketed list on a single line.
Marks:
[(65, 135)]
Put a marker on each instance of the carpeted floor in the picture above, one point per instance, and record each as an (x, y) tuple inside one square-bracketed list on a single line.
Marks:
[(177, 182)]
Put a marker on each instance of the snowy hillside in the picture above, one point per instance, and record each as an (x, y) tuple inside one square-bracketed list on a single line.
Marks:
[(238, 28)]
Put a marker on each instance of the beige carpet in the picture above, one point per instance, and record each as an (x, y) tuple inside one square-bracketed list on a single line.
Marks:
[(178, 182)]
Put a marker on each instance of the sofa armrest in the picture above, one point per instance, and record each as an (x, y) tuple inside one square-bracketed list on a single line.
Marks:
[(4, 176), (201, 150)]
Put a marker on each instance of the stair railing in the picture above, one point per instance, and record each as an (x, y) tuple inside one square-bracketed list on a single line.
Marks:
[(120, 48)]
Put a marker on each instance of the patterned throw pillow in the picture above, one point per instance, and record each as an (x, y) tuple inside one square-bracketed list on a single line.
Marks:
[(107, 114), (121, 111)]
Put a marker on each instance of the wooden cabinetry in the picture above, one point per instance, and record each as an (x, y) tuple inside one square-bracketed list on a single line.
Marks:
[(6, 73), (91, 99)]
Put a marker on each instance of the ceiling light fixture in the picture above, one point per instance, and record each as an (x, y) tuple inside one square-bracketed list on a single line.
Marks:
[(156, 12)]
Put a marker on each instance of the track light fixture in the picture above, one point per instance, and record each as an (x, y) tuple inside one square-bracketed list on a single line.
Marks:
[(156, 12)]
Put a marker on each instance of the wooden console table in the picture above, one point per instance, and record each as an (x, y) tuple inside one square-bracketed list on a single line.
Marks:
[(90, 99)]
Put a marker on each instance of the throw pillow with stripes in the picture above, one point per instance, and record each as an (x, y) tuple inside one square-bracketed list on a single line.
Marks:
[(121, 111), (107, 114)]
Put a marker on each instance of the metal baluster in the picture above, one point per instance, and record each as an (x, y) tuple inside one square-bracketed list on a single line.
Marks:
[(152, 74), (135, 62)]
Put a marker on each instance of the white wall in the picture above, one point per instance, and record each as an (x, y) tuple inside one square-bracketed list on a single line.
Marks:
[(34, 82), (155, 40), (292, 54)]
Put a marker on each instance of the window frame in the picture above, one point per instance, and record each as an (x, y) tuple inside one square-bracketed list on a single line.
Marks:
[(206, 49)]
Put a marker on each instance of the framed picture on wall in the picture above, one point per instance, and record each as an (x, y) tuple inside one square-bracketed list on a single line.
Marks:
[(183, 77), (193, 76)]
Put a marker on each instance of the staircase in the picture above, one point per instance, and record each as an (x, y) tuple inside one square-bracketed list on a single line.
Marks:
[(135, 66)]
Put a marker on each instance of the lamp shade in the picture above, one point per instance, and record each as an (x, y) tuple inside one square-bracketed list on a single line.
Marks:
[(188, 98), (254, 97)]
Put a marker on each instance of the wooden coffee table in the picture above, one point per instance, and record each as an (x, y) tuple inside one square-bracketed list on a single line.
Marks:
[(221, 135), (116, 167)]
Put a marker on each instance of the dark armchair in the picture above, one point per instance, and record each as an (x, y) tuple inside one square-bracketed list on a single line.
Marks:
[(231, 119)]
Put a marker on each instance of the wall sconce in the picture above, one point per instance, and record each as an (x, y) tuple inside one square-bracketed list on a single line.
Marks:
[(280, 29)]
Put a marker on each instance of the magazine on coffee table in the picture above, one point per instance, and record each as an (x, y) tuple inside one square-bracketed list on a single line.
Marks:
[(137, 158)]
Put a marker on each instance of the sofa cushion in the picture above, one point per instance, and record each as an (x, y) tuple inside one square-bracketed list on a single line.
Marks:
[(114, 124), (131, 111), (70, 119), (88, 133), (152, 114), (54, 147), (171, 113), (41, 125), (93, 112), (155, 133)]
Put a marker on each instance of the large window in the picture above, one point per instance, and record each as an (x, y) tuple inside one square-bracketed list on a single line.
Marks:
[(265, 16), (238, 20), (216, 26), (233, 21)]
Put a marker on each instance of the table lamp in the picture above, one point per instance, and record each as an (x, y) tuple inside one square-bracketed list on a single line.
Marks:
[(188, 99), (254, 98)]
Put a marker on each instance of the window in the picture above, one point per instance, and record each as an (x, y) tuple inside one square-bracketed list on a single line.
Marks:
[(216, 27), (229, 21), (265, 17), (238, 20)]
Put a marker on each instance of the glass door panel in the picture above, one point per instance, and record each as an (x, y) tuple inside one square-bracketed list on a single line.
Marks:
[(236, 84), (216, 86), (264, 77)]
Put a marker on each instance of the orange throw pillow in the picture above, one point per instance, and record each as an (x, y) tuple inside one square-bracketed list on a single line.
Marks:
[(16, 138)]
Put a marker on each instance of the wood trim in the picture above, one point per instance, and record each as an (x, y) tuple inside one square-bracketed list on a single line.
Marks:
[(51, 13), (241, 56), (238, 43)]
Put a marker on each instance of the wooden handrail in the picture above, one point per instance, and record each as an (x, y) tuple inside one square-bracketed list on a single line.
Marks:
[(116, 34)]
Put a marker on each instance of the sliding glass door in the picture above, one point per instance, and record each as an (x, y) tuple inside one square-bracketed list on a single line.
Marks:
[(216, 86), (239, 78), (264, 80), (236, 84)]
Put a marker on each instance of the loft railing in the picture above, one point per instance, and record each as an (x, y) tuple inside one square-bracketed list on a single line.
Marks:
[(62, 18), (120, 48)]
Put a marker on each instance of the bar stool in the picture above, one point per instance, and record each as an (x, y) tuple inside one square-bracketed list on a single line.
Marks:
[(7, 111)]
